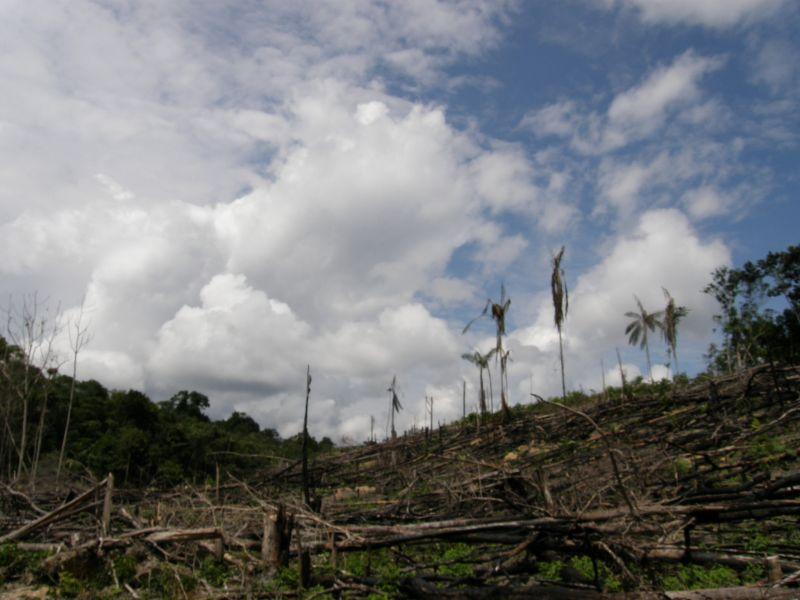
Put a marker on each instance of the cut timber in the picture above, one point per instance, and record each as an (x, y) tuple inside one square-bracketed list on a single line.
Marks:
[(54, 563), (107, 504), (420, 588), (278, 537), (62, 511)]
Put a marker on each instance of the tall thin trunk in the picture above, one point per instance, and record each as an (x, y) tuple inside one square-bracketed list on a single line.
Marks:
[(483, 393), (23, 441), (504, 383), (491, 390), (649, 364), (69, 415), (561, 358), (603, 376), (675, 361), (38, 444), (621, 374), (306, 493)]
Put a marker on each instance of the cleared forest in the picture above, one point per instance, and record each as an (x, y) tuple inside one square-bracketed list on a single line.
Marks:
[(653, 490)]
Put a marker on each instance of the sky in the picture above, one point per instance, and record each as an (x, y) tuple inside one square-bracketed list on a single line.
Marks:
[(237, 189)]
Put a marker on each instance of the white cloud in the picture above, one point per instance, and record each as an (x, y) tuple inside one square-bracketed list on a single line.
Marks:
[(776, 63), (318, 264), (635, 114), (505, 180), (705, 202), (621, 185), (642, 109), (559, 119), (661, 251), (709, 13), (450, 290), (243, 189)]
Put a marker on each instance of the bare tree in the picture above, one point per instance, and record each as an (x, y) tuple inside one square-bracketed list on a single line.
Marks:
[(79, 337), (306, 493), (31, 326), (395, 406), (560, 293)]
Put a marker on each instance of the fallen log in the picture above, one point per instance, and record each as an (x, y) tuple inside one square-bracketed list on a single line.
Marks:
[(61, 512), (153, 535)]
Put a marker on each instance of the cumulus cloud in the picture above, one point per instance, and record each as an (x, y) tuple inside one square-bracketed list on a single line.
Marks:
[(662, 250), (239, 190)]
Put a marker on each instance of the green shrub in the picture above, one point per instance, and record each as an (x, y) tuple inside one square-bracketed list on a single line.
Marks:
[(695, 577), (69, 586)]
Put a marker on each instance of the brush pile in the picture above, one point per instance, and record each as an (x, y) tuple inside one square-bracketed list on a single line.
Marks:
[(657, 488)]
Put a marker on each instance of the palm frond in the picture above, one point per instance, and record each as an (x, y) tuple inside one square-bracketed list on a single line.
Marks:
[(483, 314), (558, 290)]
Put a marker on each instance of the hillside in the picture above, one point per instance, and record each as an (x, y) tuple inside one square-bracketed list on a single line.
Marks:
[(655, 490)]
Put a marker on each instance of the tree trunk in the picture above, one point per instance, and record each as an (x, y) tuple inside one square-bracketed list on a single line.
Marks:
[(483, 394), (649, 364), (38, 443), (306, 494), (69, 414), (561, 358)]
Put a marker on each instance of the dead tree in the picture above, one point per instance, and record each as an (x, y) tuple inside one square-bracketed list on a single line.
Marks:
[(395, 406)]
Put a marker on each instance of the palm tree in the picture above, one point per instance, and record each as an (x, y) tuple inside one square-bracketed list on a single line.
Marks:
[(672, 316), (395, 406), (482, 362), (499, 311), (558, 287), (637, 329)]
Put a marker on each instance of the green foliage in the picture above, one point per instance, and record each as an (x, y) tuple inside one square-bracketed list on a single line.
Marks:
[(753, 573), (766, 447), (751, 333), (143, 442), (69, 586), (585, 568), (15, 562), (456, 553), (550, 571), (288, 577), (125, 567), (696, 577), (164, 582), (683, 466), (380, 564), (214, 572), (759, 543)]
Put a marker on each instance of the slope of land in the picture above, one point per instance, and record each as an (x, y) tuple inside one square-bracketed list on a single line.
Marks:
[(654, 491)]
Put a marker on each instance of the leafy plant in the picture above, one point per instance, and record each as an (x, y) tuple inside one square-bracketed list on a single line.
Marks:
[(642, 322)]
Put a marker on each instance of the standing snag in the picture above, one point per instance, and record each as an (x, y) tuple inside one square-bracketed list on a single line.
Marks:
[(395, 406), (306, 494), (558, 288), (79, 336)]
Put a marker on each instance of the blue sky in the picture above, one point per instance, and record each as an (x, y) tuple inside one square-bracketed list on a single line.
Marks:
[(238, 189)]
